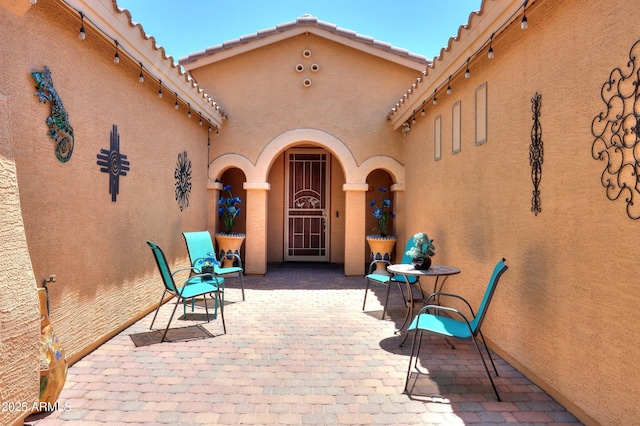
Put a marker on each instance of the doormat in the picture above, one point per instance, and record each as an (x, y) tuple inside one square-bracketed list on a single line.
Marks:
[(194, 332)]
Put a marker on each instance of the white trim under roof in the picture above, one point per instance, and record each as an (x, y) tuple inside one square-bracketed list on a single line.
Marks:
[(302, 25)]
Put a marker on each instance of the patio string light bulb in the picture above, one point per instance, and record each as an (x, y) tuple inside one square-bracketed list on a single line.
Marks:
[(141, 77), (160, 90), (116, 57), (524, 24), (82, 35), (176, 105)]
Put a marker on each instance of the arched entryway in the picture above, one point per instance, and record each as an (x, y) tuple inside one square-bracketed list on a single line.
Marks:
[(265, 197)]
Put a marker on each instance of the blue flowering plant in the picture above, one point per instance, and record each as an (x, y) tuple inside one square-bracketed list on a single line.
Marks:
[(228, 209), (382, 212), (208, 260)]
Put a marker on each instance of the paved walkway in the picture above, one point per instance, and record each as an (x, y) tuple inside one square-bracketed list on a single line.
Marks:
[(299, 350)]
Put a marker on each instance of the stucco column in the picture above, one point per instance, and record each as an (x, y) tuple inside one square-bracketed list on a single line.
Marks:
[(255, 247), (398, 222), (355, 207), (213, 195)]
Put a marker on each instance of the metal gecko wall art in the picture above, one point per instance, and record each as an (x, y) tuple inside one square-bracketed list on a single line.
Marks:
[(182, 175), (113, 162), (60, 129), (617, 134)]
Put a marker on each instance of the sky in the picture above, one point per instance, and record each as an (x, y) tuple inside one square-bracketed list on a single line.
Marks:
[(183, 27)]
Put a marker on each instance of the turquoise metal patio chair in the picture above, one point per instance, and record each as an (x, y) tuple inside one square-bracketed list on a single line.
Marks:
[(199, 246), (450, 322), (194, 286), (389, 279)]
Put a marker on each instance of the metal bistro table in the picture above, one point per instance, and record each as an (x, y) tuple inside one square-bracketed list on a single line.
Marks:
[(436, 271)]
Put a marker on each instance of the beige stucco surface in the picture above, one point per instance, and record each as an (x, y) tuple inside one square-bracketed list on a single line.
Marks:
[(58, 218), (565, 311), (342, 111)]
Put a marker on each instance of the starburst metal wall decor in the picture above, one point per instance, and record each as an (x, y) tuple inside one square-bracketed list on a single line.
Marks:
[(113, 162), (182, 175), (536, 153), (617, 134), (60, 129)]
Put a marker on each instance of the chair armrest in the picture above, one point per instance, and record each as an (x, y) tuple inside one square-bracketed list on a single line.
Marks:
[(373, 264), (426, 308), (438, 295), (191, 268)]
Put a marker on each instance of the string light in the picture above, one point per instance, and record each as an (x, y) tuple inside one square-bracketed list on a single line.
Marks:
[(82, 35), (524, 24), (435, 99), (33, 1), (490, 52), (116, 57), (423, 112)]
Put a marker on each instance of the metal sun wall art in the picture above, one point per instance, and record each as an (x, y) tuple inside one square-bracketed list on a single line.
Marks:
[(536, 153), (113, 162), (617, 133), (60, 129), (182, 175)]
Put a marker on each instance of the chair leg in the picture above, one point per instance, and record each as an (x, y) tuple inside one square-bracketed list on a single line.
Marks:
[(169, 323), (156, 314), (486, 368), (386, 300), (224, 326), (416, 339), (366, 289), (488, 353), (206, 308), (242, 283)]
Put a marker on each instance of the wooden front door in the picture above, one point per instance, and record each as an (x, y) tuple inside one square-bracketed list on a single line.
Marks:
[(307, 202)]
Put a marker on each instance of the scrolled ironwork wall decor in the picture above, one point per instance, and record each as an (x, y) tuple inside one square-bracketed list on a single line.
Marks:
[(183, 180), (113, 162), (617, 133), (60, 129), (536, 153)]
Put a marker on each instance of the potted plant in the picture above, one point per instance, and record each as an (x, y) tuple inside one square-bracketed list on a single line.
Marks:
[(229, 242), (381, 244), (206, 264), (422, 251)]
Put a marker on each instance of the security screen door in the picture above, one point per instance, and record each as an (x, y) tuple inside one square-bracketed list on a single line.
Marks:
[(307, 198)]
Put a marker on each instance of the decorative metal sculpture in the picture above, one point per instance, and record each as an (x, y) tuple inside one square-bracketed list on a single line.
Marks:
[(60, 129), (617, 134), (183, 180), (536, 153), (113, 162)]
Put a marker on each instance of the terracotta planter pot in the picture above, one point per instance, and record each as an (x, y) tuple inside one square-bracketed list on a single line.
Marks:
[(228, 245), (381, 249)]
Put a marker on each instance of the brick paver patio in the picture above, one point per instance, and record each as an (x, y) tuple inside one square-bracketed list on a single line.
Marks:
[(299, 350)]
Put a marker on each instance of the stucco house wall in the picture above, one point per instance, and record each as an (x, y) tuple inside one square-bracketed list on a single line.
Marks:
[(59, 218), (347, 101), (565, 313)]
